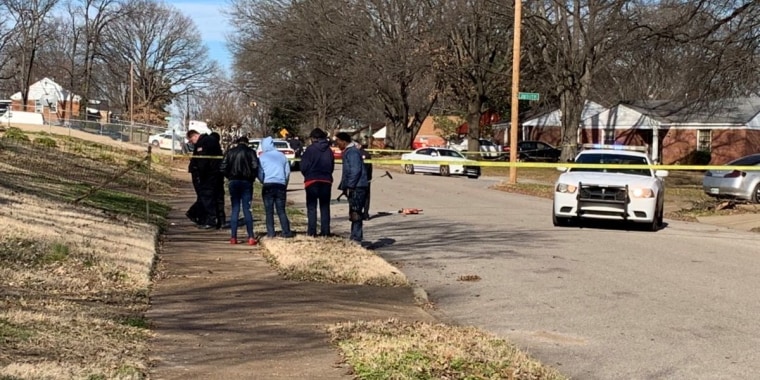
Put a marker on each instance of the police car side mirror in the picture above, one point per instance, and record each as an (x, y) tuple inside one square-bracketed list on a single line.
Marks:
[(661, 173), (561, 169)]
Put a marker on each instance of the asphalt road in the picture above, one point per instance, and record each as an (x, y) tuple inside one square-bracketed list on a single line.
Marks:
[(601, 302)]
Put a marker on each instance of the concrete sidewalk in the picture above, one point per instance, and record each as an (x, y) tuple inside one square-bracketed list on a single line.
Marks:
[(219, 311)]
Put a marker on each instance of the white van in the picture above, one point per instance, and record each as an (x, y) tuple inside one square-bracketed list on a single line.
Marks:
[(199, 126), (21, 117)]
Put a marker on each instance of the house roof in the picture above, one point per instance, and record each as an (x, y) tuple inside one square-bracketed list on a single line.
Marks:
[(554, 118), (726, 111), (47, 89)]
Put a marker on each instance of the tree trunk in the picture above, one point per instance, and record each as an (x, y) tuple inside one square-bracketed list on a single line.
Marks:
[(400, 135), (473, 124), (571, 108)]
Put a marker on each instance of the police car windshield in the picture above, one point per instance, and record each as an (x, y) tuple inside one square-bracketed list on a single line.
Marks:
[(612, 159)]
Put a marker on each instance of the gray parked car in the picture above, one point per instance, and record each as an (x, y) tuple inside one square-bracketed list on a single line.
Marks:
[(739, 184)]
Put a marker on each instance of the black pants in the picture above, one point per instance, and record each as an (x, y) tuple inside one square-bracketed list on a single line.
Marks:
[(318, 193), (221, 215), (365, 210), (196, 213), (208, 197)]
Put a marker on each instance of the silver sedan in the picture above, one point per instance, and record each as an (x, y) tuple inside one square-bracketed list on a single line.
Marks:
[(738, 184)]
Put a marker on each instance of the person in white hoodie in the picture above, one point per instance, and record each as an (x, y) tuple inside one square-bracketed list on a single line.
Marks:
[(274, 176)]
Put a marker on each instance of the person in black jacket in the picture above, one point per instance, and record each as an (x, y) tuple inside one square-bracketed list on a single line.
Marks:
[(241, 167), (368, 169), (221, 217), (204, 169), (317, 165), (354, 183)]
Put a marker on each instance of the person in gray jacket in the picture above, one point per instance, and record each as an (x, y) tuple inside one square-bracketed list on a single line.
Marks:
[(274, 176), (354, 183)]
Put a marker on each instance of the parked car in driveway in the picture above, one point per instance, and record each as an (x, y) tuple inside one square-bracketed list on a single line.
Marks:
[(535, 151), (454, 163), (737, 184), (488, 150), (164, 141)]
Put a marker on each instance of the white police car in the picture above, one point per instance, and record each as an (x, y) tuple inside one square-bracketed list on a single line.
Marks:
[(608, 190)]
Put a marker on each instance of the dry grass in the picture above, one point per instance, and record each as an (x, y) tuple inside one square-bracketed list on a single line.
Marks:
[(332, 260), (74, 280), (395, 350)]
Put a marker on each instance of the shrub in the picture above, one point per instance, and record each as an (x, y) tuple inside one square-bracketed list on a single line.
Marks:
[(16, 134), (698, 157), (46, 141)]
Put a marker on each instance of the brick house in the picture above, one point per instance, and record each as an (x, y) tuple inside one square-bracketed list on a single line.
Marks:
[(57, 104), (726, 129), (547, 127), (428, 135), (48, 98)]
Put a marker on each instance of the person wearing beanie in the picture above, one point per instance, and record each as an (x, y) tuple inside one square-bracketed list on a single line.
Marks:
[(354, 183), (317, 166)]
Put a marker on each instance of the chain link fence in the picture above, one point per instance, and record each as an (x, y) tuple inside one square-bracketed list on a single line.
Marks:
[(113, 179)]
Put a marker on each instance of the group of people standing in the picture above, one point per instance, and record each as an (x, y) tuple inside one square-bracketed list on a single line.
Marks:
[(242, 166), (317, 166)]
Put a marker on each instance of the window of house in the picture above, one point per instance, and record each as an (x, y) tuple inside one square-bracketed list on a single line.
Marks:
[(704, 140), (38, 106)]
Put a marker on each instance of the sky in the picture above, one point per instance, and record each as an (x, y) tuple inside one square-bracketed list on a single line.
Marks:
[(212, 24)]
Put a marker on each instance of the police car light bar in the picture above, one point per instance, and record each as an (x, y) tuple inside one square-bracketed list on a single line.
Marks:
[(634, 148)]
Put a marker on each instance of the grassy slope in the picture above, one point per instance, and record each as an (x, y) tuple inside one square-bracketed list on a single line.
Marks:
[(74, 278)]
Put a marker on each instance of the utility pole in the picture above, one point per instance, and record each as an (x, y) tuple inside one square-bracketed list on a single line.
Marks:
[(515, 92), (131, 102)]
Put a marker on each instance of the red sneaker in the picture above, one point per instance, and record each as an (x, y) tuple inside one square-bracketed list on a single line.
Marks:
[(252, 241), (233, 241)]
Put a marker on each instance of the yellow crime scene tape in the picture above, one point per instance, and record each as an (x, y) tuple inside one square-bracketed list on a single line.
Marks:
[(545, 165)]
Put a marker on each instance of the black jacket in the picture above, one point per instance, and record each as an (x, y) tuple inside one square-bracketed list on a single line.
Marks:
[(367, 166), (241, 163), (317, 162), (201, 166)]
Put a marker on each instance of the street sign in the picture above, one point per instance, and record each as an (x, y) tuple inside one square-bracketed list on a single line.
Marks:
[(533, 96)]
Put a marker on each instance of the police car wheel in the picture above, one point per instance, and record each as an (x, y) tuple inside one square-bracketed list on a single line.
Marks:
[(409, 169)]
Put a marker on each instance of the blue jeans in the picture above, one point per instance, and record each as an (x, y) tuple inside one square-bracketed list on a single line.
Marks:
[(274, 196), (241, 194), (318, 192)]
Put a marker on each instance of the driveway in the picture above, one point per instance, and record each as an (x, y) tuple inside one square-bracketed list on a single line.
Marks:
[(606, 302)]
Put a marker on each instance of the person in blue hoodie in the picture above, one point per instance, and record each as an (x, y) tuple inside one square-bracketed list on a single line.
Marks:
[(317, 166), (274, 176), (354, 183)]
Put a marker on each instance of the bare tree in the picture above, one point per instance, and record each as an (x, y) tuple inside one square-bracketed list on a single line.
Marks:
[(165, 49), (393, 46), (578, 40), (28, 17), (475, 66), (94, 16), (6, 56), (222, 105), (59, 58), (290, 60)]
